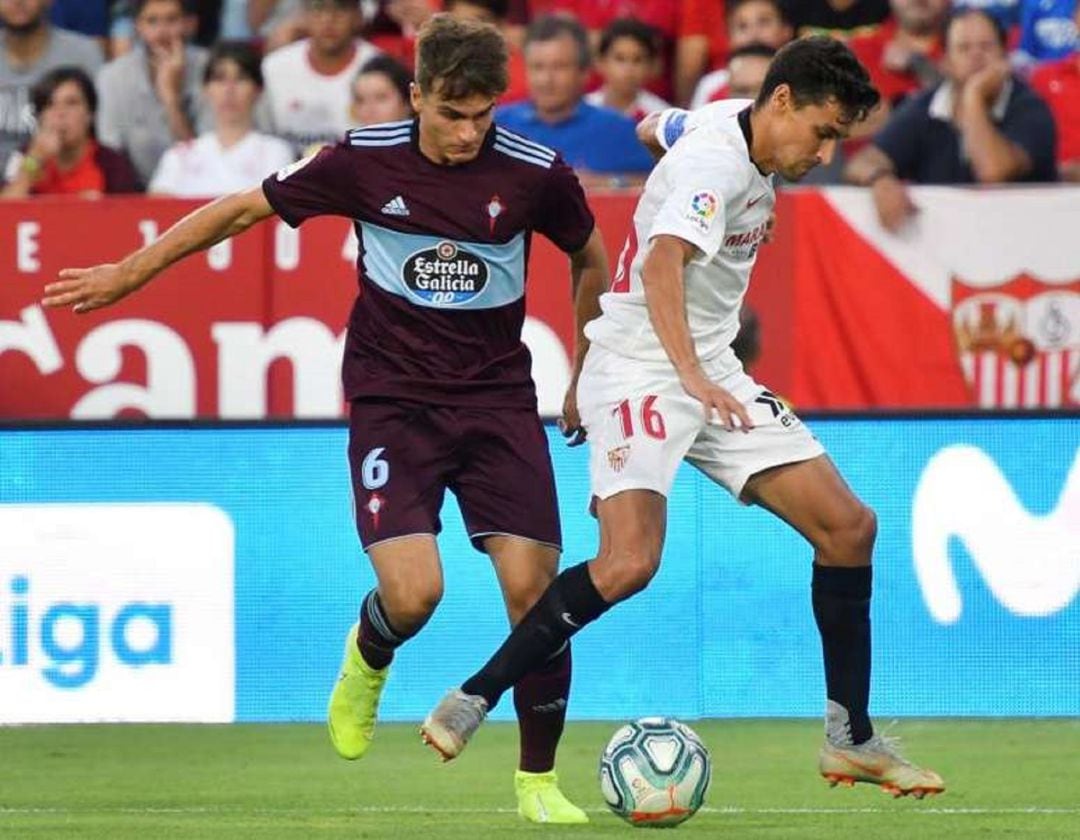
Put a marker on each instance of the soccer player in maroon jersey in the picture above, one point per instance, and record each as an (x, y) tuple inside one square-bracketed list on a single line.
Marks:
[(437, 377)]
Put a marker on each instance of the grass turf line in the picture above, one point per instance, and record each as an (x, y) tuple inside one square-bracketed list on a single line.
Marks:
[(1015, 778)]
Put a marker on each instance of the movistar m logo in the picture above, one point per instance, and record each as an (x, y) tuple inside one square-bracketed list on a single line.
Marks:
[(1030, 563)]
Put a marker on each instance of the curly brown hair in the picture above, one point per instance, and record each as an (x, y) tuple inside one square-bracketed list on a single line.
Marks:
[(461, 58)]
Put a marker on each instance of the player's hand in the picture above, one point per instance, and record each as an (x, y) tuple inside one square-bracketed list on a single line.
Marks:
[(570, 422), (86, 289), (733, 414), (894, 204)]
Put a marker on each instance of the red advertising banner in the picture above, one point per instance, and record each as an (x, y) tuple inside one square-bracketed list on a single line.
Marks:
[(977, 304)]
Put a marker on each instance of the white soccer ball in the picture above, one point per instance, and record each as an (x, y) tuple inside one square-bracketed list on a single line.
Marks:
[(654, 772)]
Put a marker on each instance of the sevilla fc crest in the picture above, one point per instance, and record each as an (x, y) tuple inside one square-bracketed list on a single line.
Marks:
[(1019, 341)]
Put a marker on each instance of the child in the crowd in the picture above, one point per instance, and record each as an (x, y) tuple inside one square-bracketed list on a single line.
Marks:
[(628, 54)]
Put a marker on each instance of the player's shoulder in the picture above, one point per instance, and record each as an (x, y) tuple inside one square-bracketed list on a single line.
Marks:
[(384, 137), (517, 150)]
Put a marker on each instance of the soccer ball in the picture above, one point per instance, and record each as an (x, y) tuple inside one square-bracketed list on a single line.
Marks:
[(654, 772)]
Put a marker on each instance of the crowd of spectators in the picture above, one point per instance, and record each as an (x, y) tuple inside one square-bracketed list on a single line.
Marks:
[(202, 97)]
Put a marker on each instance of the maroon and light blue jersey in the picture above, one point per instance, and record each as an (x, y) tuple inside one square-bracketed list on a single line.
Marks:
[(442, 259)]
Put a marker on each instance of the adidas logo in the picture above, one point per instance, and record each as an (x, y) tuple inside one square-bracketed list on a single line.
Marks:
[(396, 207)]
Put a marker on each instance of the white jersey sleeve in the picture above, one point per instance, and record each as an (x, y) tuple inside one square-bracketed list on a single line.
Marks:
[(703, 182)]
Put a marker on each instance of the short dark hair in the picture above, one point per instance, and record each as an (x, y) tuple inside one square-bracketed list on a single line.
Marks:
[(646, 36), (818, 69), (969, 11), (398, 75), (461, 57), (731, 5), (243, 54), (550, 27), (499, 8), (42, 91), (754, 50)]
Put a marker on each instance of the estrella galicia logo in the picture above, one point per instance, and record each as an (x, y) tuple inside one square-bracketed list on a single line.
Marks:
[(446, 275)]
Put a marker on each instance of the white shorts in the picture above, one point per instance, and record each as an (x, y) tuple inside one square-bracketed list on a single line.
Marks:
[(641, 424)]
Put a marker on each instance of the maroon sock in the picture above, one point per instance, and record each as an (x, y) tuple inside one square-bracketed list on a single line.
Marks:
[(540, 699), (377, 640)]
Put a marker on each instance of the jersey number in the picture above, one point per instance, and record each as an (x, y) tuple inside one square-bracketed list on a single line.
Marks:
[(374, 471), (652, 421)]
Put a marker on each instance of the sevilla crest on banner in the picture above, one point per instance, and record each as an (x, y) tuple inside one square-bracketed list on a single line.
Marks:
[(1019, 342)]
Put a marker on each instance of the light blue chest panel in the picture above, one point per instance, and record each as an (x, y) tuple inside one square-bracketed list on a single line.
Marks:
[(444, 273)]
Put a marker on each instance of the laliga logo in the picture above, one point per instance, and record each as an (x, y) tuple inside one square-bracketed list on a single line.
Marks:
[(1030, 563)]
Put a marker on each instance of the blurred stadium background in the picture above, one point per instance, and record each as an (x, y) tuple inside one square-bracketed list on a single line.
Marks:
[(176, 535)]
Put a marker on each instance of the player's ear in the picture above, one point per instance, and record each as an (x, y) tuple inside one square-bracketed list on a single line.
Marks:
[(782, 98), (416, 98)]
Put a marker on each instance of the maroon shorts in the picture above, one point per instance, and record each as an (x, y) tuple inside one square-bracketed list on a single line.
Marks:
[(404, 456)]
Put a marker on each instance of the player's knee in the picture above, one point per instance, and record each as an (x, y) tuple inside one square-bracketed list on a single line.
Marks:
[(850, 541), (628, 571), (409, 607)]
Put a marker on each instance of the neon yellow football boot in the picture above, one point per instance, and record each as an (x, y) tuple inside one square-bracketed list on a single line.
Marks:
[(541, 801), (354, 702)]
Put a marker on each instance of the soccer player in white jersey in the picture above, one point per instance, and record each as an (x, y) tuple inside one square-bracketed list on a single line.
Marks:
[(661, 384)]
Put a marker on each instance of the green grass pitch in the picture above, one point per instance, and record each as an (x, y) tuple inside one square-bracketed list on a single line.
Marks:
[(1007, 778)]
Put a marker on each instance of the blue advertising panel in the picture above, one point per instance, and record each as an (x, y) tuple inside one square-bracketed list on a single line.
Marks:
[(209, 573)]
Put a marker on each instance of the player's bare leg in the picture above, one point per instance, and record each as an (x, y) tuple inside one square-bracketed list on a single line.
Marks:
[(632, 527), (813, 498), (410, 585)]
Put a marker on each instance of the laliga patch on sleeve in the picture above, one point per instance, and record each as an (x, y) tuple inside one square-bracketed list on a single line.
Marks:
[(701, 211), (293, 168)]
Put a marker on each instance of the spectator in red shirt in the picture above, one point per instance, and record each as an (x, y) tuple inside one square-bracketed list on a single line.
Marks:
[(1058, 82), (63, 157), (627, 58), (903, 54), (498, 14), (702, 45), (748, 22)]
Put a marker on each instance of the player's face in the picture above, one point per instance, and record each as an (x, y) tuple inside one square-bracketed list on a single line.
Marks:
[(231, 92), (22, 15), (971, 44), (747, 75), (757, 23), (554, 73), (332, 27), (626, 66), (805, 137), (452, 130), (160, 24), (376, 100)]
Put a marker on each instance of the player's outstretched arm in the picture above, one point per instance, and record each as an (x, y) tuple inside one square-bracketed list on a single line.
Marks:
[(589, 273), (86, 289), (662, 277)]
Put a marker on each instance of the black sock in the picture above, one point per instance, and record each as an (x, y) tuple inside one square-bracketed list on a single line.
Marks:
[(566, 606), (841, 599), (377, 639)]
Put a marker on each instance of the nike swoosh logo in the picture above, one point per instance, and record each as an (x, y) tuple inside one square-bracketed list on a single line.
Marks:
[(566, 617), (750, 204)]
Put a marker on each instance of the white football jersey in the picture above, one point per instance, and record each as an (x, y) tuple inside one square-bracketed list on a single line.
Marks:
[(708, 192), (306, 106)]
